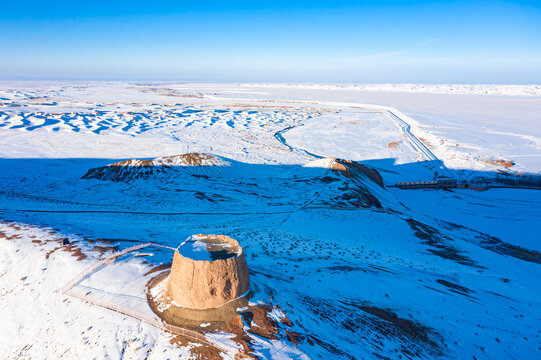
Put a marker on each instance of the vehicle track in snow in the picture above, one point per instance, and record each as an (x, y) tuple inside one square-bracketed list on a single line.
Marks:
[(406, 130), (416, 142)]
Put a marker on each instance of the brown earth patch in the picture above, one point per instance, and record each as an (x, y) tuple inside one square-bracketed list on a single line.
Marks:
[(260, 324), (191, 159), (14, 227), (348, 168), (427, 143), (293, 337), (104, 249), (231, 318), (314, 340), (357, 197), (158, 268), (236, 327), (499, 162), (394, 144), (71, 248), (439, 243), (496, 245), (369, 325), (462, 290), (409, 327), (133, 169), (74, 250), (197, 350)]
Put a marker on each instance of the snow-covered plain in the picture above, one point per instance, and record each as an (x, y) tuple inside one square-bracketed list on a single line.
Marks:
[(363, 271), (484, 89)]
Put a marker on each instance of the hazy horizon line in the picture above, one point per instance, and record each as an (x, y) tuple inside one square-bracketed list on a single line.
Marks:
[(221, 81)]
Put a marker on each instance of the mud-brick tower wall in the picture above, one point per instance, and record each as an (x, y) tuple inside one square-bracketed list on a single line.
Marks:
[(204, 284)]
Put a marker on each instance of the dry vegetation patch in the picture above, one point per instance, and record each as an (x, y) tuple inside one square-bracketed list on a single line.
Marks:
[(394, 144)]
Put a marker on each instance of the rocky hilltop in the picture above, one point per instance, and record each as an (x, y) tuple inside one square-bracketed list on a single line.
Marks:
[(358, 184), (128, 170), (348, 168), (325, 182)]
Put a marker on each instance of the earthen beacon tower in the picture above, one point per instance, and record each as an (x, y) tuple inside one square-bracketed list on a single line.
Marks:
[(208, 271)]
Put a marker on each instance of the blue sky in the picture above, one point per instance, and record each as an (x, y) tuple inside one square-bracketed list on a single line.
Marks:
[(332, 41)]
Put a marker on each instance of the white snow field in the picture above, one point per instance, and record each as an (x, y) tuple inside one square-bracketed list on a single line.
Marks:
[(303, 176)]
